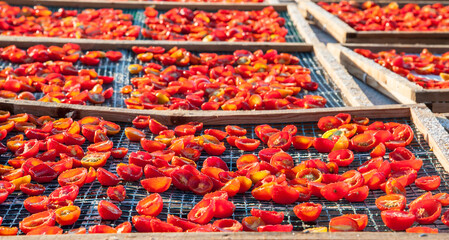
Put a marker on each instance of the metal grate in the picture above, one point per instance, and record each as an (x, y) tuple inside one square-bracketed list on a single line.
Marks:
[(119, 70), (139, 20), (179, 203)]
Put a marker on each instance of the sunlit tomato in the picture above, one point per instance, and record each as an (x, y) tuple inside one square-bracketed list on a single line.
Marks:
[(275, 228), (397, 220), (151, 146), (95, 159), (200, 184), (443, 198), (36, 204), (91, 175), (150, 206), (268, 217), (445, 218), (46, 230), (29, 149), (156, 184), (67, 215), (180, 222), (156, 127), (402, 158), (426, 211), (283, 194), (103, 146), (125, 227), (235, 130), (46, 218), (420, 229), (343, 224), (363, 142), (117, 193), (335, 191), (42, 173), (428, 183), (323, 145), (405, 177), (32, 189), (282, 160), (129, 172), (8, 231), (342, 157), (69, 192), (378, 151), (202, 212), (361, 219), (426, 195), (328, 123), (107, 178), (251, 223), (280, 140), (160, 226), (358, 194), (101, 229), (111, 128), (19, 181), (214, 149), (81, 230), (308, 212), (75, 176), (108, 210), (119, 153), (302, 142), (228, 225), (114, 56), (247, 144)]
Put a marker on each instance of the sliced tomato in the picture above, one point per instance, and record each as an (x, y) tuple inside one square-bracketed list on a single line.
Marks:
[(150, 206), (156, 184), (428, 183), (67, 215), (426, 211), (397, 220), (308, 211), (202, 212), (107, 178), (117, 193), (46, 218), (343, 224), (108, 210), (335, 191)]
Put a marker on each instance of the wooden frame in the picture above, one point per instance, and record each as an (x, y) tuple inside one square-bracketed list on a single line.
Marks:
[(388, 82), (300, 23), (351, 92), (343, 33), (422, 117)]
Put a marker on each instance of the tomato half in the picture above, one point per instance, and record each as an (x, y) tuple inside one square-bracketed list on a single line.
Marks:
[(156, 184), (397, 220), (46, 218), (202, 212), (67, 215), (342, 157), (308, 211), (107, 178), (108, 210), (428, 183), (426, 211), (343, 224), (150, 206)]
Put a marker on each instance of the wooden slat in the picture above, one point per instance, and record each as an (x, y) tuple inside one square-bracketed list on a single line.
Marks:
[(328, 22), (400, 2), (430, 37), (301, 25), (407, 48), (351, 92), (98, 44), (143, 4), (176, 117), (376, 76), (434, 134), (244, 236)]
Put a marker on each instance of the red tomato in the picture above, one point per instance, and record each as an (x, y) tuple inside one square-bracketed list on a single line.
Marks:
[(202, 212), (8, 231), (397, 220), (428, 183), (150, 206), (247, 144), (32, 189), (151, 146), (420, 229), (108, 210), (358, 194), (101, 229), (125, 227), (426, 211), (361, 220), (323, 145), (156, 184), (69, 192), (180, 222), (363, 142), (275, 228), (283, 194), (107, 178), (235, 130), (46, 218), (282, 140), (251, 223), (342, 157), (117, 193), (200, 184), (228, 225), (343, 224), (119, 153), (134, 135), (445, 218), (268, 217), (328, 123), (36, 204), (46, 230), (335, 191), (75, 176), (130, 173), (308, 212)]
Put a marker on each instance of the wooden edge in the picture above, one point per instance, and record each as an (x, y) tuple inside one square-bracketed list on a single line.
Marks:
[(98, 44), (434, 133), (351, 92), (176, 117), (408, 48), (402, 34), (373, 74), (328, 22), (440, 107), (301, 25), (142, 4), (244, 236), (387, 1)]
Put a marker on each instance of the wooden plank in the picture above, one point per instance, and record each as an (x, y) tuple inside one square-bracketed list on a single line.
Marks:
[(244, 236), (440, 107), (420, 2), (434, 133), (301, 25), (408, 48), (431, 37), (389, 83), (351, 92), (176, 117), (143, 4), (98, 44), (328, 22)]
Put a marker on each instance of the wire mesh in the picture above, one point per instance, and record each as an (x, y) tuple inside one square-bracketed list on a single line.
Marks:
[(179, 203), (122, 77)]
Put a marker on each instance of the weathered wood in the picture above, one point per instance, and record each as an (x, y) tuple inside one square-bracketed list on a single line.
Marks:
[(344, 33), (301, 25), (407, 48), (388, 82), (143, 4), (351, 92), (400, 2), (328, 22), (434, 134), (176, 117), (98, 44)]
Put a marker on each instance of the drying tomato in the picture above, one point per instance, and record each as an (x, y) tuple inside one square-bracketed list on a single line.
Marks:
[(428, 183), (282, 140), (308, 212), (228, 225), (42, 173), (275, 228), (397, 220), (268, 217), (342, 157), (29, 149), (67, 215), (46, 230), (420, 229), (358, 194), (251, 223), (156, 184), (101, 229), (108, 210), (202, 212), (8, 231), (343, 224), (125, 227), (117, 193), (36, 204), (150, 206), (107, 178), (234, 130), (323, 145), (133, 134), (114, 56), (328, 123), (95, 159), (75, 176), (129, 172), (335, 191), (69, 192), (32, 189), (363, 142), (46, 218), (426, 211), (200, 184), (119, 153), (247, 144)]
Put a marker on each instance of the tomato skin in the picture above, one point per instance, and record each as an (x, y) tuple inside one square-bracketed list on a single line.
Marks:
[(46, 218), (151, 146), (360, 219), (308, 211), (180, 222), (130, 173), (397, 220), (247, 144), (251, 223), (101, 229), (200, 184), (362, 142), (69, 192), (133, 134), (46, 230), (119, 153), (125, 227), (107, 178), (428, 183), (282, 140), (328, 123), (8, 231), (228, 225), (150, 205), (108, 210), (420, 229), (426, 211), (335, 191), (117, 193), (32, 189), (343, 224), (67, 215), (42, 173), (36, 204), (202, 212), (95, 159), (142, 223), (156, 184), (283, 194), (358, 194), (275, 228), (445, 218), (268, 217), (75, 176), (342, 157), (323, 145)]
